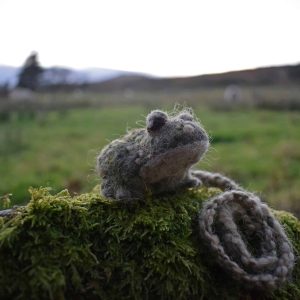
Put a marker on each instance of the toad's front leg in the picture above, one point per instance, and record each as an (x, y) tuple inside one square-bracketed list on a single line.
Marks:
[(191, 181)]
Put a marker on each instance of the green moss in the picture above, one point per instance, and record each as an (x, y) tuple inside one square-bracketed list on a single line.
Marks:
[(87, 247)]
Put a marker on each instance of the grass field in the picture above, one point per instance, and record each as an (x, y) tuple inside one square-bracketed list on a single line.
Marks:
[(258, 148)]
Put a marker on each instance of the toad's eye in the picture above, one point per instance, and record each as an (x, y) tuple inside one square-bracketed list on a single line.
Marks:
[(186, 116), (156, 120)]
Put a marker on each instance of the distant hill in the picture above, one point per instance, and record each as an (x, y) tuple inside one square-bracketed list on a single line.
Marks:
[(59, 75), (260, 76), (9, 75), (113, 80)]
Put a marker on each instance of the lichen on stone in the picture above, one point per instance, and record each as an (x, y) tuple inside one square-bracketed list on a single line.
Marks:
[(90, 247)]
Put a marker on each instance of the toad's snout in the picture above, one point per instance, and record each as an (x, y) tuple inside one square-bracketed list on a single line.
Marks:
[(188, 129)]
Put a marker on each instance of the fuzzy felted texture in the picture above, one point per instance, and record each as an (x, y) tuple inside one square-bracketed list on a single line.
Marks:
[(155, 159), (90, 247)]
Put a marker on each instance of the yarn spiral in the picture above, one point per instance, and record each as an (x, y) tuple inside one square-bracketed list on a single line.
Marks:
[(244, 236)]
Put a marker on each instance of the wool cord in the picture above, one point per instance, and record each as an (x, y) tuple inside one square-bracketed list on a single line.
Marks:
[(244, 236)]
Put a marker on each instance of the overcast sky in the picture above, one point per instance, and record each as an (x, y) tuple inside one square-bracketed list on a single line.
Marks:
[(162, 37)]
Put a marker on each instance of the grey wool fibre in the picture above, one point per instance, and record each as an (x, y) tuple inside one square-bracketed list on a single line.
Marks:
[(154, 159), (237, 228)]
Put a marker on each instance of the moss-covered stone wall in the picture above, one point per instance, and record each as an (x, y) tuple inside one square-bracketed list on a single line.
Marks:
[(88, 247)]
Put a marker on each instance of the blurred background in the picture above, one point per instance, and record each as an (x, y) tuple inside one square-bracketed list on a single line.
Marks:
[(75, 75)]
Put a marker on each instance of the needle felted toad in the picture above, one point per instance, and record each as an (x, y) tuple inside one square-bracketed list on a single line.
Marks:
[(154, 159)]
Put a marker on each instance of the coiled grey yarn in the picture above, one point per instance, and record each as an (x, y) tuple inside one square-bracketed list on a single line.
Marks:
[(244, 236), (216, 180)]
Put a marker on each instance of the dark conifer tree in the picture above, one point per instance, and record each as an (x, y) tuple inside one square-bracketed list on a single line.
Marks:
[(29, 76)]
